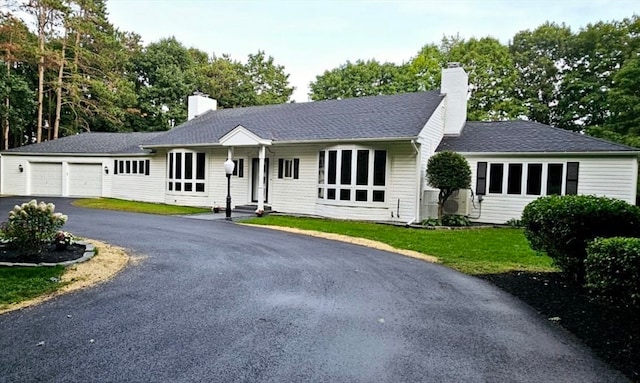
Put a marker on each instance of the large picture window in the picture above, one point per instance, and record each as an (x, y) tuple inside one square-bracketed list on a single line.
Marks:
[(352, 175), (186, 171)]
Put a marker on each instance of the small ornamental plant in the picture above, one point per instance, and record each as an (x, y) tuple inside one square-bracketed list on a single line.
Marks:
[(32, 226), (62, 240)]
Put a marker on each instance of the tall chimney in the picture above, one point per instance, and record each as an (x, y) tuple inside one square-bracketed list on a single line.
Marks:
[(199, 103), (455, 85)]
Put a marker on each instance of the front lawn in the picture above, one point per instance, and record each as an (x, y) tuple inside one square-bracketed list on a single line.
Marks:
[(138, 207), (21, 283), (471, 251)]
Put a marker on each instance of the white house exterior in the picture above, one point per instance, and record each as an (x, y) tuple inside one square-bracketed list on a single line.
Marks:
[(362, 158)]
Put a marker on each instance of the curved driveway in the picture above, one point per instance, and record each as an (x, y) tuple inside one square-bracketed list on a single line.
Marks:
[(220, 302)]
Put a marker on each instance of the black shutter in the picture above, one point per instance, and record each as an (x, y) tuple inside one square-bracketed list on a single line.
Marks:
[(241, 168), (296, 168), (481, 179), (280, 167), (115, 166), (146, 167), (572, 178)]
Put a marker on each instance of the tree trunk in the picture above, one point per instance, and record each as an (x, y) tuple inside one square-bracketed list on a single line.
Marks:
[(56, 124), (42, 20), (5, 128)]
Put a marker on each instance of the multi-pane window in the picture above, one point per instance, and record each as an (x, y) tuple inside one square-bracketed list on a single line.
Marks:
[(352, 175), (186, 171), (121, 167), (289, 168), (532, 176), (238, 168)]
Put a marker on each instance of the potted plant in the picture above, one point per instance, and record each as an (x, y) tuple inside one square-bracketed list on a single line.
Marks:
[(259, 212)]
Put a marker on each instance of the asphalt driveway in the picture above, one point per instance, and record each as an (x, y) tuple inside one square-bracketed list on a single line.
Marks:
[(215, 301)]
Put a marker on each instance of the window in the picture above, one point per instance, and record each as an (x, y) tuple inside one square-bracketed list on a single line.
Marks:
[(352, 175), (183, 166), (124, 167), (495, 178), (572, 178), (554, 178), (238, 169), (481, 178), (289, 168), (514, 181), (534, 179)]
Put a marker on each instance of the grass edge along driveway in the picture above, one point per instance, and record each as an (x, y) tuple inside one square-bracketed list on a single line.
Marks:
[(471, 251)]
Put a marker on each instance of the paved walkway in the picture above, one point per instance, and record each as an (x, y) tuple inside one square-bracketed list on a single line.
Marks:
[(218, 302)]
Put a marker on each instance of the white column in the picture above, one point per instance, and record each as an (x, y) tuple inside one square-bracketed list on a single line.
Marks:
[(230, 152), (261, 178)]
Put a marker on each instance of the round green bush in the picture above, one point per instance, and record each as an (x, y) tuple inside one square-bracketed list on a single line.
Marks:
[(561, 226), (613, 270)]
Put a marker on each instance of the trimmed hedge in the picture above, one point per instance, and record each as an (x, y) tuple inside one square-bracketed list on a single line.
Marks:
[(613, 270), (562, 226)]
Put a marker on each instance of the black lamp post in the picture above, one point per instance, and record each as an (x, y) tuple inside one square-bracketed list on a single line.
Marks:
[(228, 169)]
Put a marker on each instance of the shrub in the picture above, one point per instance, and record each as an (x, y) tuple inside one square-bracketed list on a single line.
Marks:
[(613, 270), (562, 226), (62, 240), (448, 171), (32, 226), (513, 222), (455, 220)]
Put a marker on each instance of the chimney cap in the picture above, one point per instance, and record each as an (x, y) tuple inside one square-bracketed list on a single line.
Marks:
[(453, 64)]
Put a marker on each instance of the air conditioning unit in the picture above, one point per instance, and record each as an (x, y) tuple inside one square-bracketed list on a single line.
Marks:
[(457, 203)]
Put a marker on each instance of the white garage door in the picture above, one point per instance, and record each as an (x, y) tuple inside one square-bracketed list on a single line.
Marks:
[(46, 178), (85, 180)]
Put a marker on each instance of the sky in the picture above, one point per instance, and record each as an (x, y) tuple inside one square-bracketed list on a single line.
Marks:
[(309, 37)]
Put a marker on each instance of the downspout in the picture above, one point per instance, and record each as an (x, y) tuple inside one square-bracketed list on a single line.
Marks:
[(416, 216)]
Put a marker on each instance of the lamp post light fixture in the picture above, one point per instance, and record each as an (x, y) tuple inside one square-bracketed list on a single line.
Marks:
[(228, 169)]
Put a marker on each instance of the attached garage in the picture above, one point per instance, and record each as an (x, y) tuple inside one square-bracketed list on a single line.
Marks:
[(85, 180), (46, 178)]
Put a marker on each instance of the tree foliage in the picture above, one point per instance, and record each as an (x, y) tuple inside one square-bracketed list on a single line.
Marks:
[(448, 171)]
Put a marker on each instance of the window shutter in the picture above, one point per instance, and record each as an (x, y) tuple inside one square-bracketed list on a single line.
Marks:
[(481, 179), (572, 178), (280, 167), (241, 168), (296, 168), (146, 167), (115, 166)]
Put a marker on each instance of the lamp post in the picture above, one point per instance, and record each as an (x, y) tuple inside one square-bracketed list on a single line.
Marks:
[(228, 169)]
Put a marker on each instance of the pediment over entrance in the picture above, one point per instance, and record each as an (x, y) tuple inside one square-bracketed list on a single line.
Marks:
[(241, 136)]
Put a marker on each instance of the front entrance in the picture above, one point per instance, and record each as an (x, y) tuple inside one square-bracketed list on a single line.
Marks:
[(255, 177)]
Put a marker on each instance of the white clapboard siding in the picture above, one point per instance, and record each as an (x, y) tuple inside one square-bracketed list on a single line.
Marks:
[(403, 182), (613, 177), (296, 195), (14, 182), (139, 187)]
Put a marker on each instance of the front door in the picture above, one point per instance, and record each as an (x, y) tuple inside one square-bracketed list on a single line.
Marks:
[(255, 177)]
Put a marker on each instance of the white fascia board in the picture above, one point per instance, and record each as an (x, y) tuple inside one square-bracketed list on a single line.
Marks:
[(241, 136), (76, 154), (346, 140), (553, 154)]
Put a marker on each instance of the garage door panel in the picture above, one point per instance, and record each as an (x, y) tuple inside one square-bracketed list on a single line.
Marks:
[(46, 179), (85, 180)]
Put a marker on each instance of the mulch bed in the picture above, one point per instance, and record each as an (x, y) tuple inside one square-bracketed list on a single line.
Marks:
[(50, 255), (612, 333)]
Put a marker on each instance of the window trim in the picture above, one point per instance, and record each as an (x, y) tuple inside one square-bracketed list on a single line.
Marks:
[(351, 194), (176, 178)]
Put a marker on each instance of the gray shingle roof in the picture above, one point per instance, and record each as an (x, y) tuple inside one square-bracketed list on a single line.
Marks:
[(400, 115), (523, 137), (91, 143)]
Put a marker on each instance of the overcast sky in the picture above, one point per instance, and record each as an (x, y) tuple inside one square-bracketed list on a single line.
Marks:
[(309, 37)]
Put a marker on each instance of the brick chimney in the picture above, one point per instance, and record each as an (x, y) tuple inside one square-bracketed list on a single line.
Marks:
[(199, 103), (455, 85)]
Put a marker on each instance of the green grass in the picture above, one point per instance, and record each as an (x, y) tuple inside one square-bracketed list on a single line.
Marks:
[(21, 283), (138, 207), (472, 251)]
